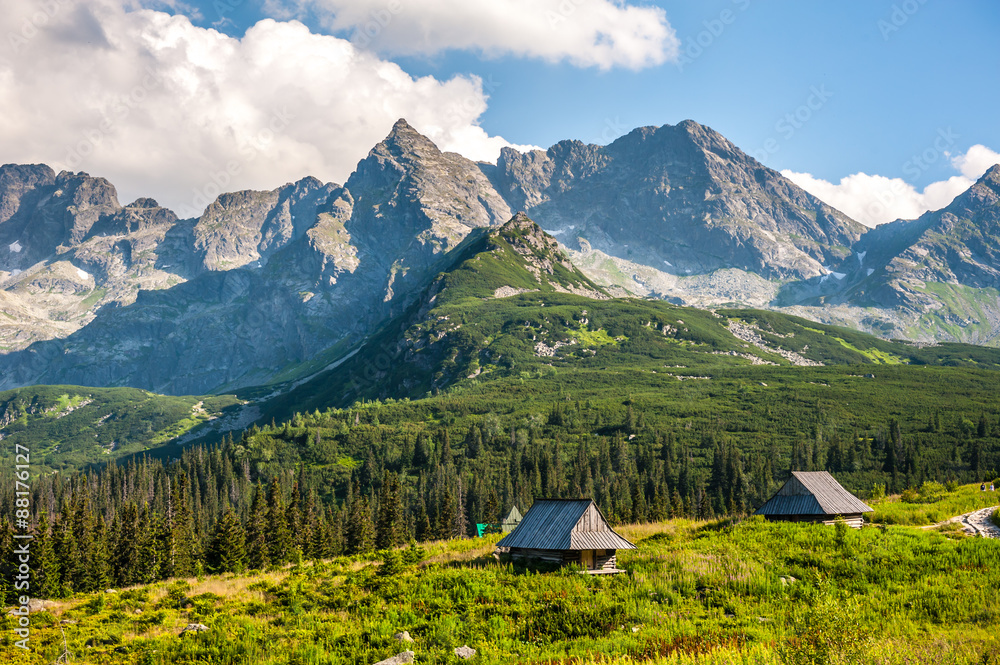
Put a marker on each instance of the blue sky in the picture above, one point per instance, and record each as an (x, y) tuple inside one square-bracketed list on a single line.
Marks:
[(890, 94), (893, 83)]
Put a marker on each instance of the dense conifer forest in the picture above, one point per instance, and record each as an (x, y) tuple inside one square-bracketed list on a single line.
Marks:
[(351, 481)]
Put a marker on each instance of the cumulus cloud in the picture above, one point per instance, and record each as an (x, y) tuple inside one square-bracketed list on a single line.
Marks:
[(166, 109), (976, 161), (876, 199), (587, 33)]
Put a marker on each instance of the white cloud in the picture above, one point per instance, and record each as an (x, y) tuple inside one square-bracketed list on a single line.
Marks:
[(586, 33), (976, 161), (166, 109), (875, 199)]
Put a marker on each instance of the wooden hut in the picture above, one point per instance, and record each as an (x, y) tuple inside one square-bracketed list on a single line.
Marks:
[(566, 531), (814, 496), (510, 522)]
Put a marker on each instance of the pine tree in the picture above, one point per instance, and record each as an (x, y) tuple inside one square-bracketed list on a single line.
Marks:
[(420, 454), (101, 563), (280, 545), (258, 552), (360, 530), (389, 532), (227, 552), (183, 538), (65, 549), (473, 442), (423, 525), (446, 456), (46, 567), (126, 557), (445, 516)]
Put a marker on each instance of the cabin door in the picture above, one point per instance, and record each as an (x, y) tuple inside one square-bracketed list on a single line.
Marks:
[(587, 559)]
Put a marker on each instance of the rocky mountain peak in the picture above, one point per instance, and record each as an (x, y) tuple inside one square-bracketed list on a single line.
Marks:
[(404, 141)]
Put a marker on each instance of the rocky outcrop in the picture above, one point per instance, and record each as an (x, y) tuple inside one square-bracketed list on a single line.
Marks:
[(95, 293), (682, 199), (932, 278)]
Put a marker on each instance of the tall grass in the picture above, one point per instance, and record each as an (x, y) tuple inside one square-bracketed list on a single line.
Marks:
[(695, 592), (928, 506)]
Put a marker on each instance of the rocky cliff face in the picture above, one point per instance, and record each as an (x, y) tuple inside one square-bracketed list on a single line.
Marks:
[(95, 293), (260, 282), (933, 278), (680, 198)]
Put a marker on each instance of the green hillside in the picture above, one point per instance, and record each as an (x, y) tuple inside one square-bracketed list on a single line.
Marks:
[(694, 592), (69, 427)]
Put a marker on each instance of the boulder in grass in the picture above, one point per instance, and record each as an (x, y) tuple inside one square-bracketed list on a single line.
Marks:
[(402, 637), (194, 628), (465, 652), (398, 659), (37, 605)]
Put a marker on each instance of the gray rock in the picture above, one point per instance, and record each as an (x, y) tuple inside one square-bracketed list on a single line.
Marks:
[(37, 605), (402, 637), (398, 659), (194, 628), (465, 652)]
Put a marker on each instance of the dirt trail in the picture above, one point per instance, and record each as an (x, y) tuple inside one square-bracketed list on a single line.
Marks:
[(978, 521)]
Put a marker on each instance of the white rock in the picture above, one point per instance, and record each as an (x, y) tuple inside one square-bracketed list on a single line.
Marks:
[(194, 628), (465, 652), (402, 637), (398, 659)]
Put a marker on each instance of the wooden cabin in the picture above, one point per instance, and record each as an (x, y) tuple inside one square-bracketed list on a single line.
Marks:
[(814, 496), (510, 522), (566, 531)]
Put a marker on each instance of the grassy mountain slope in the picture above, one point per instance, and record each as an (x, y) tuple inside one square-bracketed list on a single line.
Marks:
[(503, 331), (68, 427), (696, 592), (512, 305)]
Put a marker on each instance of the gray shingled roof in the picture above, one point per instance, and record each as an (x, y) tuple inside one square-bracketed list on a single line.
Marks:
[(565, 524), (812, 493)]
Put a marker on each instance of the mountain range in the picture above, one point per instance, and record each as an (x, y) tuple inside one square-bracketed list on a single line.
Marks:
[(274, 286)]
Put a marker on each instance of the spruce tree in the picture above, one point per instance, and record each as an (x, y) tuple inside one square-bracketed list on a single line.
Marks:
[(258, 552), (445, 516), (46, 566), (423, 525), (360, 530), (227, 552), (280, 545), (126, 556), (389, 530), (473, 442), (100, 573), (65, 549)]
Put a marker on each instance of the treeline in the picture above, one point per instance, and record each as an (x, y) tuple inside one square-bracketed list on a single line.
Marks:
[(379, 475)]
